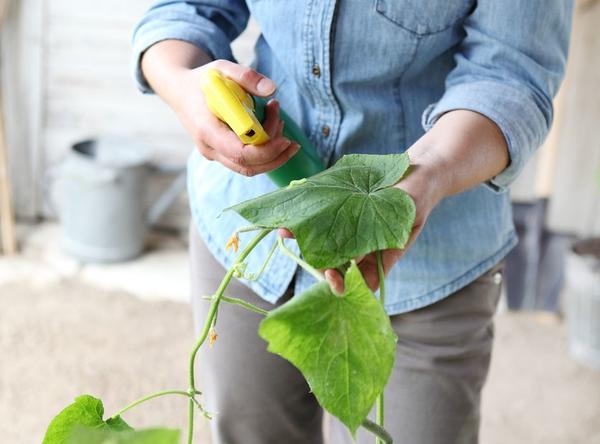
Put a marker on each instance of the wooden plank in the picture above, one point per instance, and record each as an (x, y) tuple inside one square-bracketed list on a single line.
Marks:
[(575, 205), (7, 222), (7, 218), (21, 82), (94, 11), (90, 91)]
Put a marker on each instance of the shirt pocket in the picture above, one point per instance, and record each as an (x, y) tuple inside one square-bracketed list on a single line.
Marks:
[(424, 17)]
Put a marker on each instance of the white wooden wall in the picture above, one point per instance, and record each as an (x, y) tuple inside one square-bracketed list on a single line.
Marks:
[(88, 86), (89, 90), (70, 61)]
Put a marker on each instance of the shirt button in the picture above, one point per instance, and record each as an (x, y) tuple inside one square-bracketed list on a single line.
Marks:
[(316, 70), (497, 278), (325, 130)]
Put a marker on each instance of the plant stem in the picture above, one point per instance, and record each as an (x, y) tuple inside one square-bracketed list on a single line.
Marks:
[(382, 435), (190, 421), (246, 305), (380, 399), (212, 312), (248, 229), (313, 271), (255, 276), (149, 397)]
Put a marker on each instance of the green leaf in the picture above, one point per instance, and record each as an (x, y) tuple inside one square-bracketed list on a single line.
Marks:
[(343, 345), (117, 424), (347, 211), (85, 435), (85, 411)]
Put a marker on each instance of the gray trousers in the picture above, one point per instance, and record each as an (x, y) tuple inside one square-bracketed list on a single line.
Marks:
[(433, 395)]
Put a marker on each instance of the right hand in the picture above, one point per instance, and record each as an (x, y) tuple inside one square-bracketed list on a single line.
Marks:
[(214, 139)]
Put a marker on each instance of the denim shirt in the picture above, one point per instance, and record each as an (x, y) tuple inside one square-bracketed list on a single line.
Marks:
[(371, 76)]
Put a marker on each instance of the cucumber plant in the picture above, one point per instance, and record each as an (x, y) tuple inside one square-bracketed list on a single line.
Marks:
[(344, 345)]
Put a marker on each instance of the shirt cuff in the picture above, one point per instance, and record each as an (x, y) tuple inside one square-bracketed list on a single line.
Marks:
[(196, 30), (510, 107)]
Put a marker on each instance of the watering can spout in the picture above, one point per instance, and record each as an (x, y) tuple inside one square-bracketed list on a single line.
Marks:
[(166, 199)]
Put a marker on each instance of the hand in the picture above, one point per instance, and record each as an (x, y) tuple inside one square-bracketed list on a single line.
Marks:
[(169, 67), (462, 150), (426, 191), (215, 140)]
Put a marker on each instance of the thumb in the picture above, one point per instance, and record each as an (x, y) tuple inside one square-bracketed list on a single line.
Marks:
[(247, 78)]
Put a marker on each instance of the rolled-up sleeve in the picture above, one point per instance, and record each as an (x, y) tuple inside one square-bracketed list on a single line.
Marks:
[(508, 68), (210, 25)]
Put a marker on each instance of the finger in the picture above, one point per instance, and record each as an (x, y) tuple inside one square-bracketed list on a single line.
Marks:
[(206, 151), (219, 136), (252, 155), (279, 132), (286, 155), (273, 126), (223, 140), (369, 271), (285, 233), (395, 255), (359, 259), (249, 79), (271, 122), (280, 129), (335, 280), (252, 170)]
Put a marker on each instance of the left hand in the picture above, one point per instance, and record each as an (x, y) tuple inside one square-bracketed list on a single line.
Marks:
[(424, 186)]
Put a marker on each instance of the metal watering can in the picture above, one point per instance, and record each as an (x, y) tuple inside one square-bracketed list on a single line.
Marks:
[(101, 190)]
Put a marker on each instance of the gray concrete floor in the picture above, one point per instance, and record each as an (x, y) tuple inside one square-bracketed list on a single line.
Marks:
[(67, 338)]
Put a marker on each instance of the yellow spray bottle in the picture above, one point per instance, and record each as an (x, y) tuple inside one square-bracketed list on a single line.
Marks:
[(244, 114)]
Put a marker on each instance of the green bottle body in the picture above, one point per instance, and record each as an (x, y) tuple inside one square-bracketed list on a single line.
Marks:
[(304, 163)]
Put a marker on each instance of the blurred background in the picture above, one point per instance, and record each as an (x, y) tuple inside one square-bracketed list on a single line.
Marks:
[(90, 306)]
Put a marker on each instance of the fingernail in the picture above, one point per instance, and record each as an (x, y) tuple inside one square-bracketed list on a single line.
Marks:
[(265, 86)]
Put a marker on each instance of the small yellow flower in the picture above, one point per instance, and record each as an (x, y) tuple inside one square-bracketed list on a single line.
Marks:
[(233, 242), (212, 336)]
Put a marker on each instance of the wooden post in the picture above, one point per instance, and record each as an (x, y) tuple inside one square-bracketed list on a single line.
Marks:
[(7, 218)]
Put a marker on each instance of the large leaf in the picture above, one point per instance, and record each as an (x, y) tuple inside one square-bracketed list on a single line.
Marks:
[(347, 211), (84, 435), (85, 411), (343, 345)]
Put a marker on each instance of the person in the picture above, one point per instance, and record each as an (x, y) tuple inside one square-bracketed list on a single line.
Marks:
[(464, 86)]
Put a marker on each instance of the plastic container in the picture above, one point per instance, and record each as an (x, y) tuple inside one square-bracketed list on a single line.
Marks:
[(583, 301), (304, 163)]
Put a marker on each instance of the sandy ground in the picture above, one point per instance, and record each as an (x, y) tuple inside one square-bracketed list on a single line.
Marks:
[(64, 339)]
